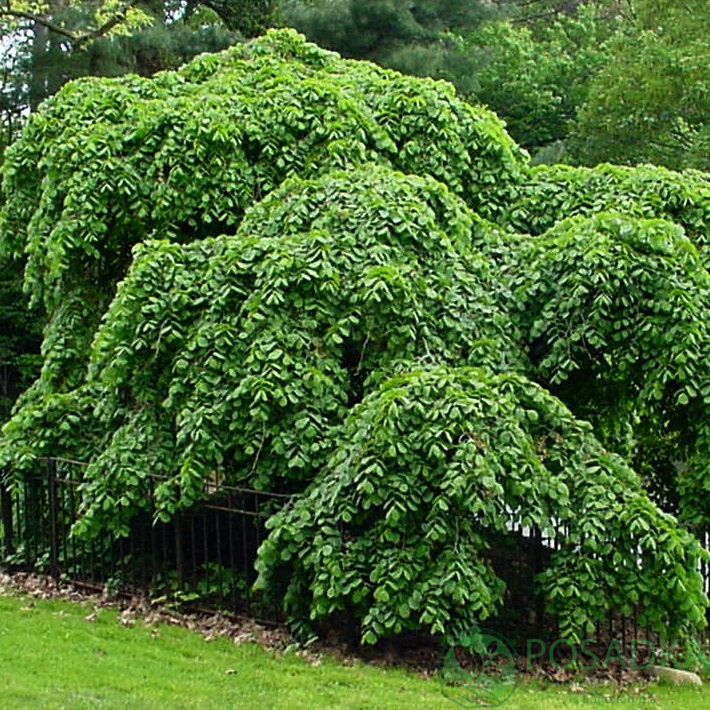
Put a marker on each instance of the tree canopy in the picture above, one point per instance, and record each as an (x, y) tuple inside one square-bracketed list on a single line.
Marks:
[(77, 204), (316, 276)]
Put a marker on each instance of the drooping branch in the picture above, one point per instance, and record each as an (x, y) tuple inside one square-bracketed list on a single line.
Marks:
[(103, 29)]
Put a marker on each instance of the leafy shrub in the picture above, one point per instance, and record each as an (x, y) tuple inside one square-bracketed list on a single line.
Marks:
[(613, 311), (237, 356), (253, 292), (394, 529), (109, 163)]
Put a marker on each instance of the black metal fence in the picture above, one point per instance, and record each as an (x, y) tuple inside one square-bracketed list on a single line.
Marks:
[(203, 557), (519, 556)]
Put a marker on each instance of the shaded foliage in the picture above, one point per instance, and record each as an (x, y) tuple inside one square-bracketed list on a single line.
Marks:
[(373, 29), (20, 337), (614, 313), (614, 308)]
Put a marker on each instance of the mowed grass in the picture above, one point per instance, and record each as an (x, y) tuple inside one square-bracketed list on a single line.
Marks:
[(52, 657)]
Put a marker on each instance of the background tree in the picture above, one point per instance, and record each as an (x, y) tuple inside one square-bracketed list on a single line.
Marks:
[(650, 103), (69, 27), (55, 44), (375, 28), (532, 66), (419, 38), (536, 79), (542, 13)]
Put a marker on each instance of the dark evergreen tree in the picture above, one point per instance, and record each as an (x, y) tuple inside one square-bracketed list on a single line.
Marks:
[(380, 29)]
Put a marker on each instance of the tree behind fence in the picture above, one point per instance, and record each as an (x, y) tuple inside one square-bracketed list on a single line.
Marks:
[(205, 557)]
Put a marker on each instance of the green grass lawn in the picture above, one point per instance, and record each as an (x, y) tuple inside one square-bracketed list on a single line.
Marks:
[(51, 657)]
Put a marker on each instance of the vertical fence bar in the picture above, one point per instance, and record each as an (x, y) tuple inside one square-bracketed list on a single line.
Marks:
[(53, 515), (232, 587), (32, 521), (153, 571), (193, 553), (8, 547), (179, 566), (538, 567), (218, 537), (18, 517), (256, 530)]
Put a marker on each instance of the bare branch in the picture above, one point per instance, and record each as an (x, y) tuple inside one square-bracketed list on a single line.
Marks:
[(77, 40), (40, 20)]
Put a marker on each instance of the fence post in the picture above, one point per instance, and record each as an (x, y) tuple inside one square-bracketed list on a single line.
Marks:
[(53, 515), (8, 547), (180, 569), (538, 567)]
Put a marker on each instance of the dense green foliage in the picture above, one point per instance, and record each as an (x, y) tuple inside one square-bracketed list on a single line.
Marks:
[(614, 314), (312, 275), (77, 202), (394, 529), (235, 358), (268, 110), (615, 311), (652, 101), (625, 298), (552, 192)]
